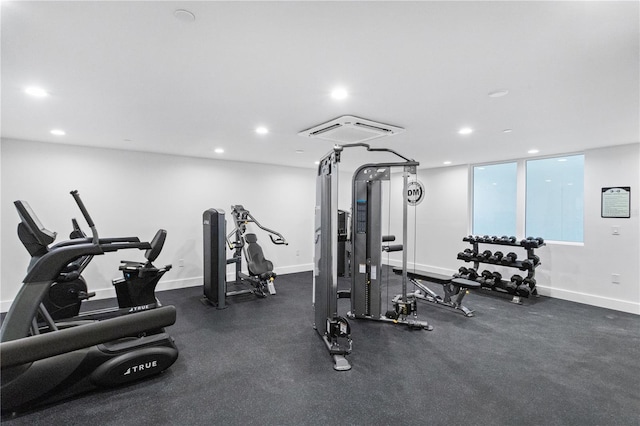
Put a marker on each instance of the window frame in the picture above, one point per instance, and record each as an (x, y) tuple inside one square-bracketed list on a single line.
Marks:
[(521, 194)]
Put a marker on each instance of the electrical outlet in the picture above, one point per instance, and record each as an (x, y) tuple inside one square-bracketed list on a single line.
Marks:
[(615, 278), (180, 263), (297, 252), (615, 230)]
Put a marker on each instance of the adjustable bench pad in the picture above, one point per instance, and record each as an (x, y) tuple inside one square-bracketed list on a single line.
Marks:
[(461, 282), (426, 276)]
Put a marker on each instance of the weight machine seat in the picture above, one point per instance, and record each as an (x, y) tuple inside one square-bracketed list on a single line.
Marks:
[(151, 254), (256, 263), (156, 245)]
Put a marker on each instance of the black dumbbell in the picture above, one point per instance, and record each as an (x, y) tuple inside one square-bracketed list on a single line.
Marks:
[(512, 239), (468, 238), (487, 278), (485, 255), (535, 259), (462, 272), (523, 290), (496, 257), (485, 239), (531, 242), (526, 265), (472, 274), (509, 258), (526, 287), (513, 284), (497, 279), (465, 255)]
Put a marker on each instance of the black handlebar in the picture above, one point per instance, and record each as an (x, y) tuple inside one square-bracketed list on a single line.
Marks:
[(86, 215), (82, 208), (279, 241)]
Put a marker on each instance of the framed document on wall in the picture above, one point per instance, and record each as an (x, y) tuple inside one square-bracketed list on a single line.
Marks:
[(616, 202)]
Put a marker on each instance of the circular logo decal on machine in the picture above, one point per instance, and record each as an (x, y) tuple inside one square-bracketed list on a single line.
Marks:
[(415, 193)]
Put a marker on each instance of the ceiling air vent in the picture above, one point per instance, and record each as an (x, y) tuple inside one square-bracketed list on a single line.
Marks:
[(350, 129)]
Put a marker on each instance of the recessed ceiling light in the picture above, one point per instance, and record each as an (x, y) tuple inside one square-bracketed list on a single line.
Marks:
[(498, 93), (262, 130), (299, 151), (547, 180), (38, 92), (339, 93), (184, 15), (562, 160), (533, 151), (58, 132), (446, 163), (465, 131), (218, 151), (507, 131), (316, 162)]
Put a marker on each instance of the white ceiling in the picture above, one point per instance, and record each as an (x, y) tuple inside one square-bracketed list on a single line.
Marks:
[(130, 75)]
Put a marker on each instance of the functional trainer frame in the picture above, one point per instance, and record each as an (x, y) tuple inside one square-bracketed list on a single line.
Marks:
[(366, 259)]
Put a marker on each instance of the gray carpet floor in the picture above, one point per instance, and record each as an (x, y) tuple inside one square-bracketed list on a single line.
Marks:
[(546, 362)]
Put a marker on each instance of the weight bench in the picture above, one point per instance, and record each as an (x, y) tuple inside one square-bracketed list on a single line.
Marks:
[(451, 287)]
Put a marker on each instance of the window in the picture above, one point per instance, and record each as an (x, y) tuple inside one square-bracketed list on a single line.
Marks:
[(555, 198), (494, 199), (537, 198)]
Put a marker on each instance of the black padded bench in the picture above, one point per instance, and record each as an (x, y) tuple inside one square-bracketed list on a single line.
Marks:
[(451, 286)]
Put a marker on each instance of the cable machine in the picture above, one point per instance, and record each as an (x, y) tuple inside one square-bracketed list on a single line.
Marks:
[(366, 256)]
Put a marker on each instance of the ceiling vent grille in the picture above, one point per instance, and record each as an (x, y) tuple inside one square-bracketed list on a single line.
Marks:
[(350, 129)]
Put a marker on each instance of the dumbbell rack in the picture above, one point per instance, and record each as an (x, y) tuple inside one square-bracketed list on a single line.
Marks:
[(529, 264)]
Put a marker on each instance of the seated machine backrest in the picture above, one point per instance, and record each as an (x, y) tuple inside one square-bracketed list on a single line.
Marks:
[(156, 245), (256, 262)]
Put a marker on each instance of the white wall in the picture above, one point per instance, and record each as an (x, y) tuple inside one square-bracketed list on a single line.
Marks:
[(135, 194), (583, 273), (576, 272), (436, 225), (131, 193)]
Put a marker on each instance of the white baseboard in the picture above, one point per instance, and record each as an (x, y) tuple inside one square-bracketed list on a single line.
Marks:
[(590, 299), (632, 307), (109, 292)]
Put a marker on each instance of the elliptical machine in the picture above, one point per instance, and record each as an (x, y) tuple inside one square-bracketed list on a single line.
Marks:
[(47, 361), (70, 288), (136, 288)]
